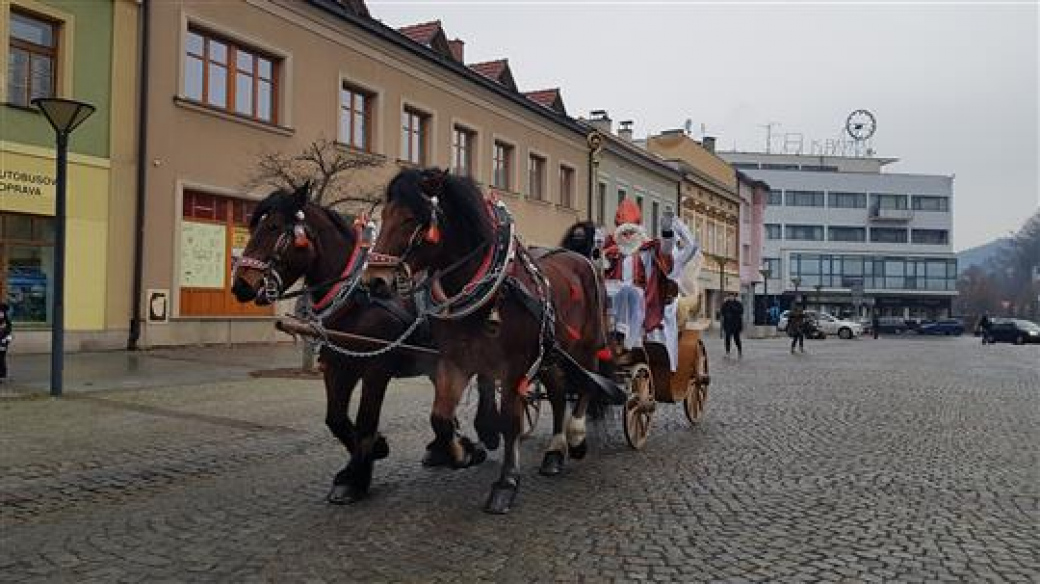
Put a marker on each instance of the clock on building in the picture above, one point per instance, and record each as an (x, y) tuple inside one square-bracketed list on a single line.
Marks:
[(861, 125)]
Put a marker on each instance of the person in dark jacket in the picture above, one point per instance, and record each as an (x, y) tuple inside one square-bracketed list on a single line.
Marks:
[(984, 324), (733, 322), (796, 325), (875, 325), (5, 337)]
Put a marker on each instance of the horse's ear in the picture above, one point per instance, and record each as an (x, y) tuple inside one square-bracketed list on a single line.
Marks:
[(301, 195)]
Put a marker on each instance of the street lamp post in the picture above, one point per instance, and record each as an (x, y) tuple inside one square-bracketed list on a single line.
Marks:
[(64, 115), (766, 272), (818, 288), (722, 287), (797, 281)]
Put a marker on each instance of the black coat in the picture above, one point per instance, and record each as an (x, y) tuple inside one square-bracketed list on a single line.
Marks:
[(732, 315)]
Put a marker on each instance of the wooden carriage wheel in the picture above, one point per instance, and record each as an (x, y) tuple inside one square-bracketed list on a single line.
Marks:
[(639, 409), (697, 396)]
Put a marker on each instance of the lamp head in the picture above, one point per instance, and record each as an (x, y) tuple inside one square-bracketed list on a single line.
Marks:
[(64, 115)]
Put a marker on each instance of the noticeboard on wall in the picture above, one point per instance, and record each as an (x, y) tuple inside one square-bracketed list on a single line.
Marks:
[(203, 255)]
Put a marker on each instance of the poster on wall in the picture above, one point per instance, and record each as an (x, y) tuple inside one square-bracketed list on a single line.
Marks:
[(203, 255), (239, 239), (158, 306)]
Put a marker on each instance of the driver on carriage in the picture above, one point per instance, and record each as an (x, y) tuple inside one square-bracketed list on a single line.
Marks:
[(637, 269)]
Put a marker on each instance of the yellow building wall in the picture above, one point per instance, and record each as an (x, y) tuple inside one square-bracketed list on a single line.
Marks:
[(87, 226)]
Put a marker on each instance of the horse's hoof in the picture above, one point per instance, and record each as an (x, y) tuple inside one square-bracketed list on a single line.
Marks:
[(380, 449), (500, 501), (472, 454), (345, 495), (578, 452), (435, 457), (552, 464)]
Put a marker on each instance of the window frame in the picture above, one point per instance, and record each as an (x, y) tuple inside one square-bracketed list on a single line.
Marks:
[(567, 175), (232, 71), (422, 134), (52, 53), (538, 169), (368, 100), (464, 143), (508, 162)]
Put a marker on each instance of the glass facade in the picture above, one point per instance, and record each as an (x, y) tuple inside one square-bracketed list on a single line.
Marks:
[(926, 203), (27, 266), (804, 198), (877, 272)]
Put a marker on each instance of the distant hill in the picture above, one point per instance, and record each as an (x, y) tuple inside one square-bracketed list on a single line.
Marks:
[(981, 255)]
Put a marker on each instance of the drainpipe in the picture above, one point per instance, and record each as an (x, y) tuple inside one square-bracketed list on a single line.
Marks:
[(142, 177)]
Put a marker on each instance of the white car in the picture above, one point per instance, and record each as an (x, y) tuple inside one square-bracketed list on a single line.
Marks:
[(828, 324)]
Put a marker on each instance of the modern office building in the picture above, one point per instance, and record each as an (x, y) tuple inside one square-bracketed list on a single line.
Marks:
[(850, 238)]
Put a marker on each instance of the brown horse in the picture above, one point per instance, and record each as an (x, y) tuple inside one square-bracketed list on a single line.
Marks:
[(496, 309), (290, 239)]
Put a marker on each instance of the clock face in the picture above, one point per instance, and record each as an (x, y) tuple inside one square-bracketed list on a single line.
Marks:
[(861, 125)]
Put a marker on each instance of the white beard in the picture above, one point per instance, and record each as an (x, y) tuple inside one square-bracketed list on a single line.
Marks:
[(629, 237)]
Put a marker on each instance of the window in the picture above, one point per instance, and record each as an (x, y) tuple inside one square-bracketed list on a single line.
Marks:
[(655, 213), (601, 204), (930, 236), (355, 118), (27, 267), (227, 76), (804, 232), (621, 194), (888, 201), (414, 133), (214, 230), (567, 186), (887, 235), (923, 203), (847, 200), (745, 254), (536, 177), (31, 62), (804, 199), (847, 233), (463, 142), (731, 242), (773, 231), (773, 266), (503, 166), (776, 198)]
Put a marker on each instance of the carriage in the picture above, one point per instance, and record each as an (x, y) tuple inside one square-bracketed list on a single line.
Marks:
[(646, 375)]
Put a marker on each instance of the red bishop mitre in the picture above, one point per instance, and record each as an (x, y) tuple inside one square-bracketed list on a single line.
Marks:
[(628, 212)]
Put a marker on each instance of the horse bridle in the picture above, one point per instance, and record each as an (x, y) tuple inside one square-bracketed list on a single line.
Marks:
[(424, 232), (298, 235)]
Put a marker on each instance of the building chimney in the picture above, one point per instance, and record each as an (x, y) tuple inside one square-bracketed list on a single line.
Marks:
[(600, 120), (457, 46), (625, 130), (709, 143)]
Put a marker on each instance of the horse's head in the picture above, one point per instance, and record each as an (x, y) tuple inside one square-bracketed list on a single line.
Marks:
[(428, 218), (280, 248)]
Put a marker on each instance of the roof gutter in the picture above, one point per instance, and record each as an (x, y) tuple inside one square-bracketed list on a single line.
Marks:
[(142, 178)]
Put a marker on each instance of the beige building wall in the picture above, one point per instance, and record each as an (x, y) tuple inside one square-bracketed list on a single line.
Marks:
[(192, 146)]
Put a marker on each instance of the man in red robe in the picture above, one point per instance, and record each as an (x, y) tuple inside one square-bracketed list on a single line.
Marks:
[(637, 273)]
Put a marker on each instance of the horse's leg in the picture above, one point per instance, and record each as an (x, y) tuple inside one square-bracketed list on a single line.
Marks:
[(449, 383), (556, 453), (503, 491), (577, 443), (370, 445), (339, 386), (488, 421)]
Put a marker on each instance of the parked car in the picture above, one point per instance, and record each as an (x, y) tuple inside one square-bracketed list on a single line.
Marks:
[(827, 324), (1014, 330), (949, 326), (889, 325)]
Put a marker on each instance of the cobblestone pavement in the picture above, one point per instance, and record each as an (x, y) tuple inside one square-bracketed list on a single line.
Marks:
[(895, 460)]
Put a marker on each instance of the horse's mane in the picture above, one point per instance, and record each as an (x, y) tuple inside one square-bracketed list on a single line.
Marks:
[(284, 202), (460, 200)]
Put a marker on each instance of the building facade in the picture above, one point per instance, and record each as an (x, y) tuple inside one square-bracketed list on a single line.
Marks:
[(86, 52), (232, 80), (711, 207), (624, 169), (751, 235), (852, 239)]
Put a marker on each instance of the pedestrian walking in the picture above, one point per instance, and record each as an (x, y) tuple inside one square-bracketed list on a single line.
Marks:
[(984, 324), (733, 323), (5, 338), (796, 323), (875, 325)]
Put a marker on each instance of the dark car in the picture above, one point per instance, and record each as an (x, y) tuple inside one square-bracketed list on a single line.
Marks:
[(949, 326), (1013, 330), (892, 325)]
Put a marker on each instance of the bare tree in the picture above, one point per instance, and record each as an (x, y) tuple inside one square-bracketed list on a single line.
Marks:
[(337, 177)]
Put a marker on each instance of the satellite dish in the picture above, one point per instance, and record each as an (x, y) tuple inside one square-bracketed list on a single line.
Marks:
[(688, 125)]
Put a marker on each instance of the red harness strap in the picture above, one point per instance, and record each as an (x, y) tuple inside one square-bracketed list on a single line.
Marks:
[(346, 270)]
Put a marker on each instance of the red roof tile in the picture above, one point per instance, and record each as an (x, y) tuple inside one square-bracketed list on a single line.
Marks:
[(421, 33), (491, 69), (545, 97)]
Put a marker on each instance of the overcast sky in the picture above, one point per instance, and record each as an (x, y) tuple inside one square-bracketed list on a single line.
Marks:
[(954, 87)]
